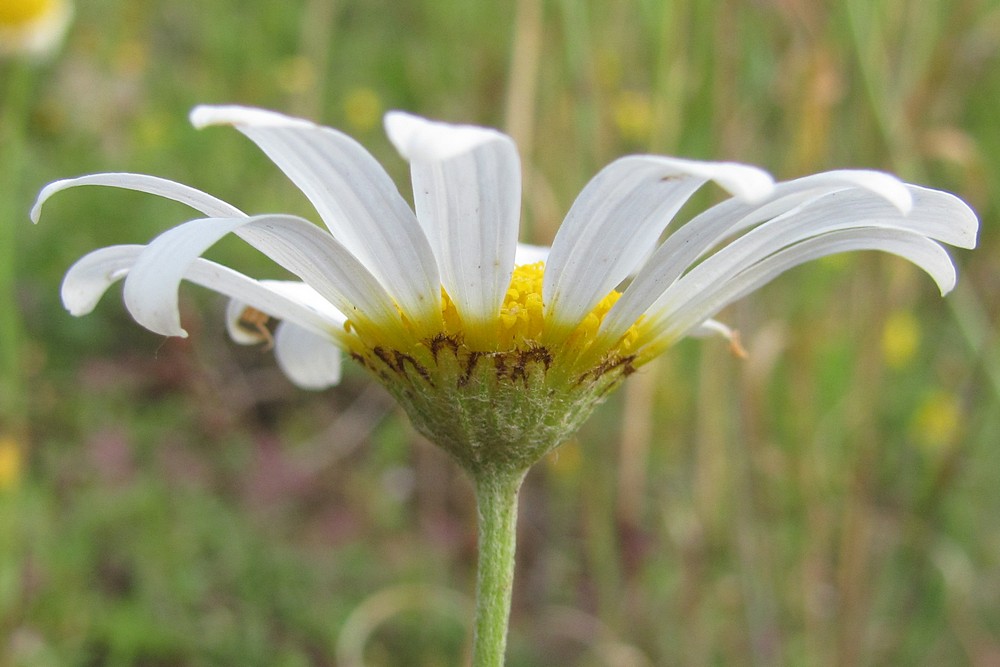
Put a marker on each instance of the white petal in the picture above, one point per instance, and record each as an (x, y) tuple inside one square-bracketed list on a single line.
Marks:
[(196, 199), (618, 218), (151, 284), (90, 277), (841, 210), (288, 305), (467, 192), (679, 318), (420, 139), (325, 265), (355, 198), (294, 243), (959, 222), (306, 295), (719, 222), (805, 210), (308, 360), (886, 186), (203, 116)]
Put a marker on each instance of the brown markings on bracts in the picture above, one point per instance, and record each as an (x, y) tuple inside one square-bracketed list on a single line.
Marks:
[(363, 360), (606, 366), (397, 362), (538, 354), (470, 365), (500, 363), (441, 341), (385, 357), (520, 369), (521, 359), (402, 359)]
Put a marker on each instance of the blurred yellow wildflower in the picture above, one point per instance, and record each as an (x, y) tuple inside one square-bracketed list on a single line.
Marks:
[(363, 109), (10, 463), (937, 423), (900, 339), (32, 27), (633, 115)]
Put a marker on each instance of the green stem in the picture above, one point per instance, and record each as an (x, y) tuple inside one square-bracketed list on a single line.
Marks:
[(496, 497)]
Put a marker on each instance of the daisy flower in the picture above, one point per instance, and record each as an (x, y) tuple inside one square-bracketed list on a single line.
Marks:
[(464, 325), (33, 27), (497, 351)]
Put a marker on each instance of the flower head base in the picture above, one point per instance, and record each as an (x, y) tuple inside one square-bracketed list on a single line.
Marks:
[(508, 402), (32, 27), (498, 351)]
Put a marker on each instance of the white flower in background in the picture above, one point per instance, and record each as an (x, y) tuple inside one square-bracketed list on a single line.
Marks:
[(33, 27), (469, 330)]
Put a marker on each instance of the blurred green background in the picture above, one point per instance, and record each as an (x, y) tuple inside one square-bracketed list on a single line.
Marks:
[(832, 500)]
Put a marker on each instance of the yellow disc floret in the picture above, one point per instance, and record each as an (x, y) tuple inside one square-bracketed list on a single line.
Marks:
[(519, 328), (520, 321)]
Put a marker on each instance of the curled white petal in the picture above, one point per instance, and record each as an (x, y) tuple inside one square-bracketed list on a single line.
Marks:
[(294, 243), (676, 319), (851, 210), (355, 198), (720, 222), (91, 276), (954, 222), (151, 285), (196, 199), (884, 185), (616, 221), (799, 210)]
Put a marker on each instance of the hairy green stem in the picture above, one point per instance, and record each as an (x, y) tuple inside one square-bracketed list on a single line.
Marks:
[(496, 497)]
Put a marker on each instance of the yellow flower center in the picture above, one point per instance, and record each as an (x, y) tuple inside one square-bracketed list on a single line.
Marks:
[(521, 320), (16, 13), (519, 328)]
